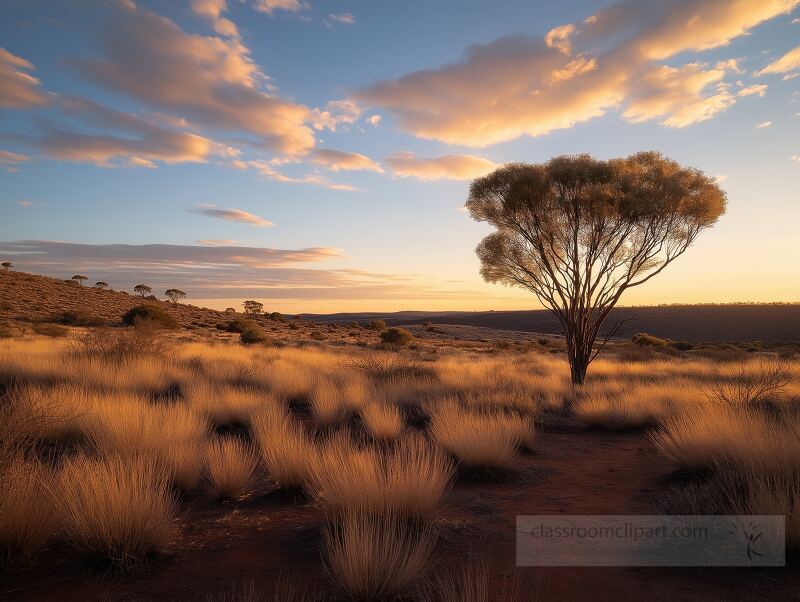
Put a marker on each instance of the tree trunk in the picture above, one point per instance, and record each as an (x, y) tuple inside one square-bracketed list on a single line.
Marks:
[(577, 368)]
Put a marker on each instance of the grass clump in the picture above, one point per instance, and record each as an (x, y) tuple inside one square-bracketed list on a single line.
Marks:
[(231, 465), (286, 451), (118, 510), (396, 337)]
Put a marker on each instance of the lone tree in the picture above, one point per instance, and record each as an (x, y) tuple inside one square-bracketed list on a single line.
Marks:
[(101, 285), (578, 232), (253, 307), (175, 294), (142, 289), (7, 265), (79, 278)]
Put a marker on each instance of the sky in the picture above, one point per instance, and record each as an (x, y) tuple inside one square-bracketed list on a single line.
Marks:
[(316, 155)]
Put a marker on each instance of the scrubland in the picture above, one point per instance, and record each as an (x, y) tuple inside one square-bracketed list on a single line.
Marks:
[(107, 450)]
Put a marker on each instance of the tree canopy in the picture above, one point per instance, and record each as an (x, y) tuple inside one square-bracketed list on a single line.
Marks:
[(577, 232)]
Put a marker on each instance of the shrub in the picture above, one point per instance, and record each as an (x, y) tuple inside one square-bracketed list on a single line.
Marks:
[(116, 344), (117, 510), (50, 330), (753, 383), (252, 336), (231, 466), (240, 325), (647, 340), (682, 345), (378, 325), (377, 557), (397, 337), (149, 313), (79, 318)]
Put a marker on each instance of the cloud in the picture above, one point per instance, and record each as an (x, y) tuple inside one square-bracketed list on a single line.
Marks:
[(342, 19), (24, 203), (270, 6), (757, 90), (334, 114), (373, 120), (336, 160), (523, 85), (128, 139), (210, 80), (449, 167), (18, 90), (676, 95), (764, 124), (11, 161), (729, 65), (212, 10), (795, 157), (216, 242), (232, 215), (270, 172), (787, 63), (220, 272)]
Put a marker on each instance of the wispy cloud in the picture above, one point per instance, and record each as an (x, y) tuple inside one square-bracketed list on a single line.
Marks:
[(764, 124), (216, 242), (754, 90), (232, 215), (341, 19), (271, 6), (270, 172), (11, 161), (337, 160), (786, 64), (18, 88), (450, 167)]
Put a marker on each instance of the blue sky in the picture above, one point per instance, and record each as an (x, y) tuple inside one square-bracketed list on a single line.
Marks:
[(314, 155)]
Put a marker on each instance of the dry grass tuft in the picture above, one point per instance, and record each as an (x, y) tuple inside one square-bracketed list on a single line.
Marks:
[(231, 465), (383, 421), (477, 440), (377, 557), (408, 480), (286, 451), (118, 510), (28, 516)]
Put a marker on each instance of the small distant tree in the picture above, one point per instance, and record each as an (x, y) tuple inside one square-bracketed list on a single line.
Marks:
[(79, 278), (101, 285), (578, 232), (253, 308), (142, 289), (7, 265), (175, 294)]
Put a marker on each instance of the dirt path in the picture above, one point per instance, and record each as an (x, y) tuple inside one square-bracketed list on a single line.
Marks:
[(578, 472)]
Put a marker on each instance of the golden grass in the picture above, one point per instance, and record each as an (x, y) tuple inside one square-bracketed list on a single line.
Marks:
[(286, 451), (28, 516), (477, 440), (383, 421), (116, 509), (407, 480), (329, 405), (231, 465), (377, 557)]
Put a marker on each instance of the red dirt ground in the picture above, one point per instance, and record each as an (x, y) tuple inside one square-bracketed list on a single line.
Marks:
[(573, 472)]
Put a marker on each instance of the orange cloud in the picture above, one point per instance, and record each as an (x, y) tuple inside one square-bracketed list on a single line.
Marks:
[(755, 90), (336, 160), (10, 161), (148, 142), (787, 63), (270, 6), (521, 85), (18, 90), (212, 11), (449, 167), (232, 215), (676, 94), (210, 80)]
